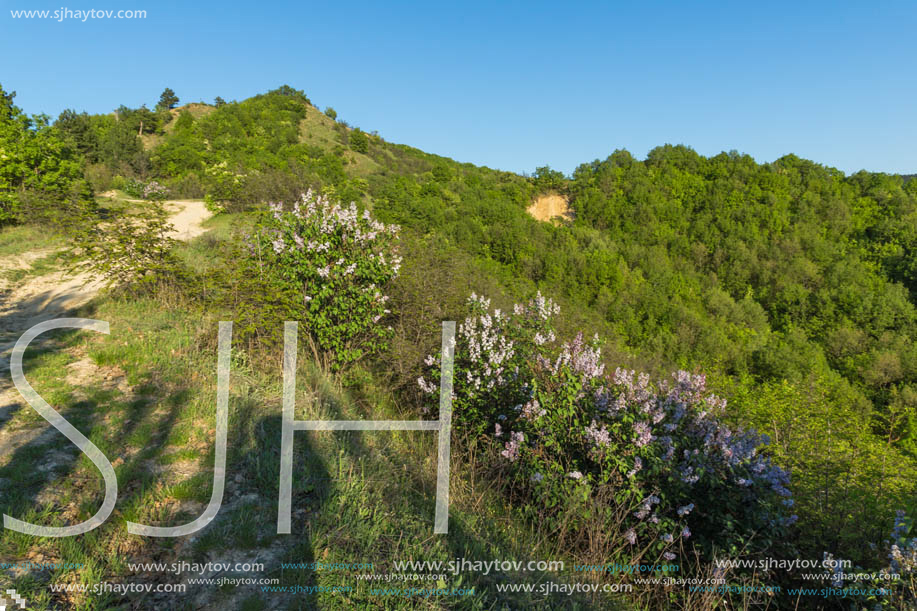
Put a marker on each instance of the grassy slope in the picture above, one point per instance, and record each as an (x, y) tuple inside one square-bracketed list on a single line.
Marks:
[(146, 396), (197, 111)]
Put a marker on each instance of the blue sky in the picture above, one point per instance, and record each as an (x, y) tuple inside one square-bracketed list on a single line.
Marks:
[(510, 85)]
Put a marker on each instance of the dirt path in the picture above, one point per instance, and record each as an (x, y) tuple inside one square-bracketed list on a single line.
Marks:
[(187, 216), (37, 298)]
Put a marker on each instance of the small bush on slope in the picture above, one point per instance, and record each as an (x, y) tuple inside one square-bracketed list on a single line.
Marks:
[(326, 266), (133, 247)]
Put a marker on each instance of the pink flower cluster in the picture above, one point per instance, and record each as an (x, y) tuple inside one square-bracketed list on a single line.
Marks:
[(511, 449)]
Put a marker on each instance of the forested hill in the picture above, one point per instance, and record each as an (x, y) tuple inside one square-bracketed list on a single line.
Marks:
[(790, 284), (780, 270)]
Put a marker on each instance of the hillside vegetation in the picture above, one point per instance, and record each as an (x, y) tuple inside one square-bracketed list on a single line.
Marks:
[(782, 293)]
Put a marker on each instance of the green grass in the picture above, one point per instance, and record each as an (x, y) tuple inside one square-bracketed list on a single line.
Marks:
[(358, 497), (320, 130), (22, 238)]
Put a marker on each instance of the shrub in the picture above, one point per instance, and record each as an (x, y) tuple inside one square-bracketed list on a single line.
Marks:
[(133, 187), (155, 191), (222, 183), (327, 266), (132, 247), (902, 556), (567, 432), (359, 141), (213, 206), (892, 587), (189, 185), (151, 191), (100, 177)]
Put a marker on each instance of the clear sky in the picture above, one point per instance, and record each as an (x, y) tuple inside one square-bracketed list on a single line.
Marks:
[(510, 85)]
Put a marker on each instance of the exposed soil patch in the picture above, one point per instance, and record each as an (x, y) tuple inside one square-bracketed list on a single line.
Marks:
[(550, 207)]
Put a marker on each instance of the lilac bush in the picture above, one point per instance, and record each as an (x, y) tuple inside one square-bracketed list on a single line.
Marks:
[(155, 191), (151, 190), (902, 556), (902, 551), (335, 263), (900, 576), (895, 585), (565, 429)]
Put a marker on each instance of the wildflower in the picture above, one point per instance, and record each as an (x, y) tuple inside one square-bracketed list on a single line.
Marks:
[(644, 436), (683, 511), (685, 532), (631, 536), (537, 477), (669, 556), (498, 430), (575, 475), (427, 387), (511, 448), (638, 464), (599, 436)]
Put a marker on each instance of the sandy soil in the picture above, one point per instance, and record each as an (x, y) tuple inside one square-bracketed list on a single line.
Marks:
[(550, 207), (187, 216)]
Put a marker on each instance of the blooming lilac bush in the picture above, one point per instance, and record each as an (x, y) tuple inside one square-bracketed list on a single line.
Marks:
[(565, 430), (151, 190), (333, 264), (902, 556), (155, 191), (895, 585)]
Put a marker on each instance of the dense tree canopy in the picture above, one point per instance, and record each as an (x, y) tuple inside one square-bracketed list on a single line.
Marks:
[(40, 172)]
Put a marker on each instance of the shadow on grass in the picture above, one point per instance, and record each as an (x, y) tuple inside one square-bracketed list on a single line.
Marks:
[(331, 510), (42, 478)]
